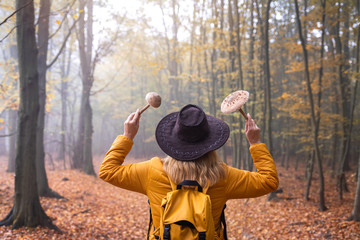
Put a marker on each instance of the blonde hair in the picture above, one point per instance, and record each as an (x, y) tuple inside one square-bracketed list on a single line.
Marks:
[(206, 170)]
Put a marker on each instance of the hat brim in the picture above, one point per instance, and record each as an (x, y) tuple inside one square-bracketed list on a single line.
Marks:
[(187, 151)]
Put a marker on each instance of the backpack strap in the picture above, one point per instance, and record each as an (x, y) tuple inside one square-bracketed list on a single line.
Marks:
[(190, 183), (222, 219), (150, 222), (202, 235), (166, 235)]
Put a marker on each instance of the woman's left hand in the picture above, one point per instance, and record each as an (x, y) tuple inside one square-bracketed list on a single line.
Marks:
[(131, 125), (252, 131)]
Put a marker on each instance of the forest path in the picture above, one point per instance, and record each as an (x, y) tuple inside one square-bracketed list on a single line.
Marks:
[(97, 210)]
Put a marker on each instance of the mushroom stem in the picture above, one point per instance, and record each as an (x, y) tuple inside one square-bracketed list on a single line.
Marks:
[(242, 113), (144, 108)]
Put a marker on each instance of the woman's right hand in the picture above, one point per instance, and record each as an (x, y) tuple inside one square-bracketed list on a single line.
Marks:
[(131, 125), (252, 131)]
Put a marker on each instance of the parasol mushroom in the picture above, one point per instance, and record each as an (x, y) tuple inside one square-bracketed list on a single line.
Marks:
[(153, 99), (234, 101)]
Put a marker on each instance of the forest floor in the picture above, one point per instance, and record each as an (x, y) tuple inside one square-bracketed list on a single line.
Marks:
[(94, 209)]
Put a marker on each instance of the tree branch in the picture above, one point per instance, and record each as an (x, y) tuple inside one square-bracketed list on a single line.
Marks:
[(63, 44), (61, 22), (8, 135), (8, 34), (113, 77), (17, 10)]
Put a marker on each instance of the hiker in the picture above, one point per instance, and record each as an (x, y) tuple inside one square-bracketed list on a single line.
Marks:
[(189, 138)]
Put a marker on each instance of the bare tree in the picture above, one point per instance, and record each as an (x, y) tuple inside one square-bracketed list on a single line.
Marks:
[(310, 165), (342, 50), (43, 42), (315, 128), (43, 36), (65, 71), (267, 77), (27, 210), (12, 120), (355, 215), (213, 59), (83, 150), (261, 31)]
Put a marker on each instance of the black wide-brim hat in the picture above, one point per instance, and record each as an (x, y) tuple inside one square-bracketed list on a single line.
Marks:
[(190, 133)]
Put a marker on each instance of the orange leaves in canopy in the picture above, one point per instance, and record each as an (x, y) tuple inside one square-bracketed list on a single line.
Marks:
[(2, 123)]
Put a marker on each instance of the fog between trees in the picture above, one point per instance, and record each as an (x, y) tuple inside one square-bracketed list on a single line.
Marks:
[(298, 60)]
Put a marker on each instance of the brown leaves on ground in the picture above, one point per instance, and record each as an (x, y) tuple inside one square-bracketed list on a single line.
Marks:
[(94, 209)]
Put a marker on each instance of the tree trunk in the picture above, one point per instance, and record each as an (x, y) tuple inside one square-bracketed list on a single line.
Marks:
[(252, 73), (262, 66), (88, 167), (12, 119), (173, 65), (65, 70), (170, 66), (310, 165), (334, 148), (192, 37), (338, 138), (235, 162), (315, 129), (267, 94), (205, 59), (344, 92), (234, 84), (222, 71), (296, 163), (83, 151), (308, 175), (43, 36), (251, 60), (267, 77), (214, 70), (27, 210), (287, 154), (221, 93), (78, 158), (323, 4), (355, 215), (240, 80)]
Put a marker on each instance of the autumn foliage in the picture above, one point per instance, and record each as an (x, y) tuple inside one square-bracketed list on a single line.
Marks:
[(199, 53), (94, 209)]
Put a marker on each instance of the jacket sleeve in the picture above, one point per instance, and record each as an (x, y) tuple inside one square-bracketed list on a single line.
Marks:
[(132, 177), (245, 184)]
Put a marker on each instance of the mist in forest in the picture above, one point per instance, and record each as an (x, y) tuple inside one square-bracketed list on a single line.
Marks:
[(192, 52), (97, 60)]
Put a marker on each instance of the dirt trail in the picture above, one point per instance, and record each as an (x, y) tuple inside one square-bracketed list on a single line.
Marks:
[(97, 210)]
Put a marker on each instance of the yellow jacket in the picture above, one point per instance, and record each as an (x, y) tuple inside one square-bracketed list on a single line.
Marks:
[(150, 179)]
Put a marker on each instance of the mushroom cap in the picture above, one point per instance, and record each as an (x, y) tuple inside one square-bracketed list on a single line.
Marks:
[(153, 99), (234, 101)]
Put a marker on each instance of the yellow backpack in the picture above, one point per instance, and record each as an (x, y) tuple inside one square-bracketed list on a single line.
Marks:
[(186, 213)]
